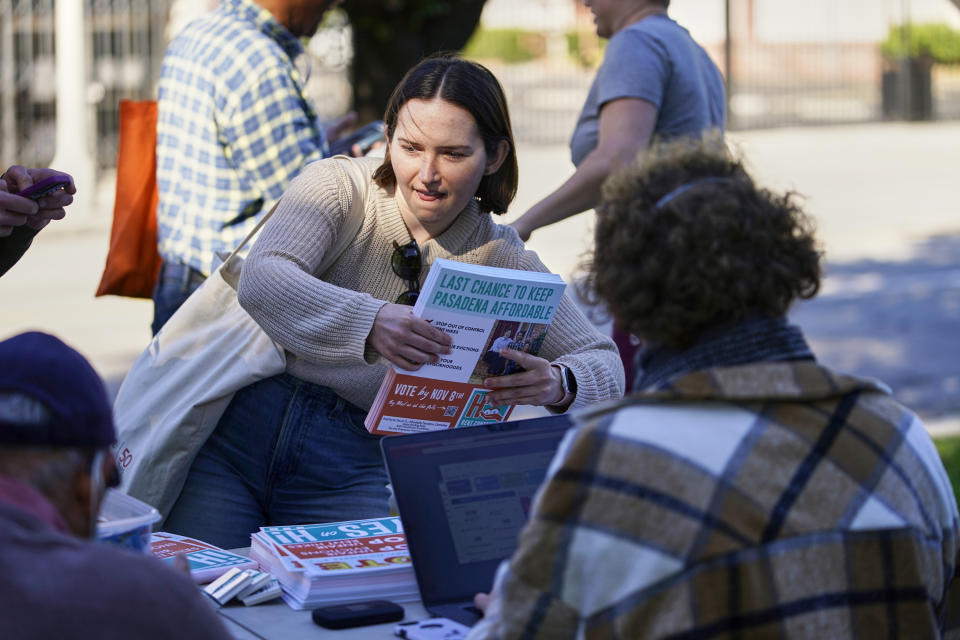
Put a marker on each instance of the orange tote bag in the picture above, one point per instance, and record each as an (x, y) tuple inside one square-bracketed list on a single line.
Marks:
[(132, 261)]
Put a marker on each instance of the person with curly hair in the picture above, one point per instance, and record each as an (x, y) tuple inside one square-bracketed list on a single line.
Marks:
[(743, 489), (688, 246)]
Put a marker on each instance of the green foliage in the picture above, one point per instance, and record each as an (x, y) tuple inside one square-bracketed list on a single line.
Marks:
[(517, 45), (937, 41), (506, 45), (949, 449), (585, 48)]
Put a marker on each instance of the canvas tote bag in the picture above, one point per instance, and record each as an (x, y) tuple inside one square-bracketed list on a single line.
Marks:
[(132, 260), (176, 391)]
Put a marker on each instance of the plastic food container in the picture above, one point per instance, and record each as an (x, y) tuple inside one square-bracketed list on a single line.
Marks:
[(126, 521)]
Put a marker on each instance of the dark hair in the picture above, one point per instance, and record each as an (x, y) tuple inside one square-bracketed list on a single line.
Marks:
[(470, 86), (675, 254)]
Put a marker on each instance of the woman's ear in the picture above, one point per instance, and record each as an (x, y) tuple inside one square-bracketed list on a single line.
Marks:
[(495, 160)]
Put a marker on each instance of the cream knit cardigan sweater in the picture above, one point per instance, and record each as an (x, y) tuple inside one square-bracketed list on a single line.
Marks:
[(323, 319)]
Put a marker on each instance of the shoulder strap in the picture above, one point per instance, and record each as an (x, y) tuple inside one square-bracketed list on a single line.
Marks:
[(357, 175), (250, 235)]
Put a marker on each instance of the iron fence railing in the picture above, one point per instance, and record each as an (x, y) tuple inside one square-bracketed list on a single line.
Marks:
[(27, 72), (127, 42), (774, 82), (125, 46), (830, 76)]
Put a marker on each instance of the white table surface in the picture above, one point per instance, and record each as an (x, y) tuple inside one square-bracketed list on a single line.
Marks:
[(277, 621)]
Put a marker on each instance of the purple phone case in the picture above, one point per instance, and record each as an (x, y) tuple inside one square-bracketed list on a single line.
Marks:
[(44, 187)]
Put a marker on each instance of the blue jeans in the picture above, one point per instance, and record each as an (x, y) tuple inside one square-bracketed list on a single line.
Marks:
[(175, 283), (285, 452)]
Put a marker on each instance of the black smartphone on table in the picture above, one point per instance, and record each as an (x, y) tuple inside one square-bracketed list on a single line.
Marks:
[(357, 614)]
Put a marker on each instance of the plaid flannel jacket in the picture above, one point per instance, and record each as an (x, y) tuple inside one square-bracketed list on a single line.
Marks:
[(234, 127), (765, 501)]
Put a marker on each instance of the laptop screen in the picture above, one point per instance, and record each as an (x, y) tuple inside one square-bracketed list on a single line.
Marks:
[(463, 496)]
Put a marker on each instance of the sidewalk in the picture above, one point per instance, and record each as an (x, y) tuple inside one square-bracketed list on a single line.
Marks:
[(885, 200)]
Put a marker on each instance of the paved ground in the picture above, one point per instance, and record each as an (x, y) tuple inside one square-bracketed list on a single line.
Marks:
[(884, 196)]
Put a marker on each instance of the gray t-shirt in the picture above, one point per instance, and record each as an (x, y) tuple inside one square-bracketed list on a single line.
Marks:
[(656, 60)]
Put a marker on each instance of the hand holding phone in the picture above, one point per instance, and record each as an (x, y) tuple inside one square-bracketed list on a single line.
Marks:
[(44, 187), (27, 206)]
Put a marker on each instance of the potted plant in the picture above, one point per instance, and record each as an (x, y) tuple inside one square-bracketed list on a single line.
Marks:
[(909, 53)]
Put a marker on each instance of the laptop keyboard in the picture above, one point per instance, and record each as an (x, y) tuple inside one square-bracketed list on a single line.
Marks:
[(472, 609)]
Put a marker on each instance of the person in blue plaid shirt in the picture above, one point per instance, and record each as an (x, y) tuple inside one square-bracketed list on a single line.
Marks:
[(743, 490), (234, 127)]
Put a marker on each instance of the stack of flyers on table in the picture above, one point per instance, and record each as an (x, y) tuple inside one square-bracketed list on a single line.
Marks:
[(337, 562), (206, 561)]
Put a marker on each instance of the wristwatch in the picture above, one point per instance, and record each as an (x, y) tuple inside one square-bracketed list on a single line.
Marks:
[(568, 381)]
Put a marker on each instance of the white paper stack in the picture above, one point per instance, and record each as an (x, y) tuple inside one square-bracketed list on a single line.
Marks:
[(206, 561), (338, 562)]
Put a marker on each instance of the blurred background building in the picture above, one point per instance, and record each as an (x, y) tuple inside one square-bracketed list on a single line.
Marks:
[(786, 63)]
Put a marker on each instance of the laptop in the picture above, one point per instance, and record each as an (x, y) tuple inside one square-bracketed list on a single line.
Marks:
[(463, 496)]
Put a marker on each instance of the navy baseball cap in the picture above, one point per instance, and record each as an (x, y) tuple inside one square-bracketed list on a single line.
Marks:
[(42, 367)]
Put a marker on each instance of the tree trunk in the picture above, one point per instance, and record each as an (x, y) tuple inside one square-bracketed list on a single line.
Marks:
[(391, 36)]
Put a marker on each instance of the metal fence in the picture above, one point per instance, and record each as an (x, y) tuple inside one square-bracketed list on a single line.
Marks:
[(126, 44), (27, 91), (126, 40), (773, 81), (832, 70), (831, 75)]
